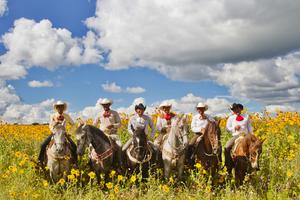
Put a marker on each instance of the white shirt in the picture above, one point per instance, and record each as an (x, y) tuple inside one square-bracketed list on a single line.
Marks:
[(162, 123), (198, 124), (141, 122), (114, 119), (56, 117), (244, 124)]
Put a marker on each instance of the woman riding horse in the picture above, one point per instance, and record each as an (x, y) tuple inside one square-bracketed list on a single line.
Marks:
[(237, 124), (58, 118)]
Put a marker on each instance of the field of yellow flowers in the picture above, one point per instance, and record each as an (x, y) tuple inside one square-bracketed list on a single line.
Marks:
[(278, 178)]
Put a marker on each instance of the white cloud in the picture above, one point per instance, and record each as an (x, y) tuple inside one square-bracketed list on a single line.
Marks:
[(135, 90), (283, 108), (114, 88), (36, 84), (30, 43), (270, 81), (111, 87), (7, 96), (194, 33), (3, 7), (29, 113)]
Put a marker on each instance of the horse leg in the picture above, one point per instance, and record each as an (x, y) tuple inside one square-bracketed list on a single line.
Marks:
[(167, 168), (180, 166)]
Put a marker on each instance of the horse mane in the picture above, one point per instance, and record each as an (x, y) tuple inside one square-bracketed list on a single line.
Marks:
[(95, 131)]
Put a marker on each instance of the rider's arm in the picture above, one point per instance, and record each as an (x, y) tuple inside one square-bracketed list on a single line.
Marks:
[(117, 123), (129, 126), (152, 127), (194, 127), (159, 124), (229, 125), (52, 122)]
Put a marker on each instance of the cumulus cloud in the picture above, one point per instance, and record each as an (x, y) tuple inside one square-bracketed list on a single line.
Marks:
[(283, 108), (270, 81), (7, 96), (3, 7), (114, 88), (37, 84), (30, 43)]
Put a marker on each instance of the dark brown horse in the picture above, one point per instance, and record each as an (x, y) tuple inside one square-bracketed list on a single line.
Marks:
[(245, 155), (208, 151)]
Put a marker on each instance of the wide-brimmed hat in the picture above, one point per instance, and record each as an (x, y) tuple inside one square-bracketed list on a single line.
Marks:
[(165, 104), (140, 106), (202, 105), (106, 101), (60, 103), (234, 106)]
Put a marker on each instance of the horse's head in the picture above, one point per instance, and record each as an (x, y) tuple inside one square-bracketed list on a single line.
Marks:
[(255, 150), (179, 130), (140, 143), (82, 138), (213, 133), (59, 137)]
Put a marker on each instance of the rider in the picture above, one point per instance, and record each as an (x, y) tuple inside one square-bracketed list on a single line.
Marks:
[(237, 124), (139, 120), (164, 122), (110, 121), (58, 118), (198, 125)]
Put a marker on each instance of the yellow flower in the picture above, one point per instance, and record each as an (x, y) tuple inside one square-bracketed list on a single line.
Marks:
[(291, 138), (109, 185), (198, 165), (18, 154), (116, 189), (25, 194), (12, 169), (289, 173), (45, 183), (61, 182), (35, 196), (75, 172), (171, 180), (120, 178), (164, 188), (133, 178), (12, 194), (92, 175), (112, 173)]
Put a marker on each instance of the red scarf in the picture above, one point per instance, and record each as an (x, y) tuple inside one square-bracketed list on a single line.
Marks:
[(60, 118), (239, 118), (106, 114), (168, 116)]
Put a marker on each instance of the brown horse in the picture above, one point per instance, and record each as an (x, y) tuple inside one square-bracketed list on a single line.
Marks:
[(245, 155), (209, 150)]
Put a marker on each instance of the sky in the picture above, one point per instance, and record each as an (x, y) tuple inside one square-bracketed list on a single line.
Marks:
[(212, 51)]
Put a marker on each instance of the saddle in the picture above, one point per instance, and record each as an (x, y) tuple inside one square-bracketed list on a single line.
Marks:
[(236, 144)]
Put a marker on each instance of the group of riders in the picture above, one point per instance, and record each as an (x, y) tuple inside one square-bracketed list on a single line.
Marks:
[(109, 122)]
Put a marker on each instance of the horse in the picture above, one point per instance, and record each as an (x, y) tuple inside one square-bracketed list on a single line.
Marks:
[(209, 151), (141, 154), (245, 156), (174, 147), (58, 154), (102, 153)]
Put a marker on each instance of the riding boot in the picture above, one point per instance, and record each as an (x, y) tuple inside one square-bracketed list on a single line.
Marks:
[(228, 160), (41, 157)]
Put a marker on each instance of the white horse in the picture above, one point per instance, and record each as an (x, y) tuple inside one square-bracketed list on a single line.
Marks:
[(59, 154), (174, 146)]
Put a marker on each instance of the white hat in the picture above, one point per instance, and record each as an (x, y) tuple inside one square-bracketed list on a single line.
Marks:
[(165, 104), (202, 105), (106, 101), (60, 103)]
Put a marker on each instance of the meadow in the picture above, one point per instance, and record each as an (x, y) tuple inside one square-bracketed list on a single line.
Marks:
[(278, 177)]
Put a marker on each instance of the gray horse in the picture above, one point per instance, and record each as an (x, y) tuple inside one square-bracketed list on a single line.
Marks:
[(59, 154), (102, 152)]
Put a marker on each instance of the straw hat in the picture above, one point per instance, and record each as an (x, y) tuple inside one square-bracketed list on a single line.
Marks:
[(106, 101), (202, 105), (60, 103), (165, 104)]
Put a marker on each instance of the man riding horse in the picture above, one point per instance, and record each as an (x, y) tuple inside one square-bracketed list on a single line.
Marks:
[(58, 118), (139, 120), (198, 125), (164, 121), (237, 124), (110, 121)]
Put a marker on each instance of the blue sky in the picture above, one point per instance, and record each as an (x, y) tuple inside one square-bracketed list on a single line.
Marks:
[(170, 50)]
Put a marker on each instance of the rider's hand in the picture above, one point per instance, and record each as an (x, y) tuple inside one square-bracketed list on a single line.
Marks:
[(237, 127), (110, 126), (202, 130)]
